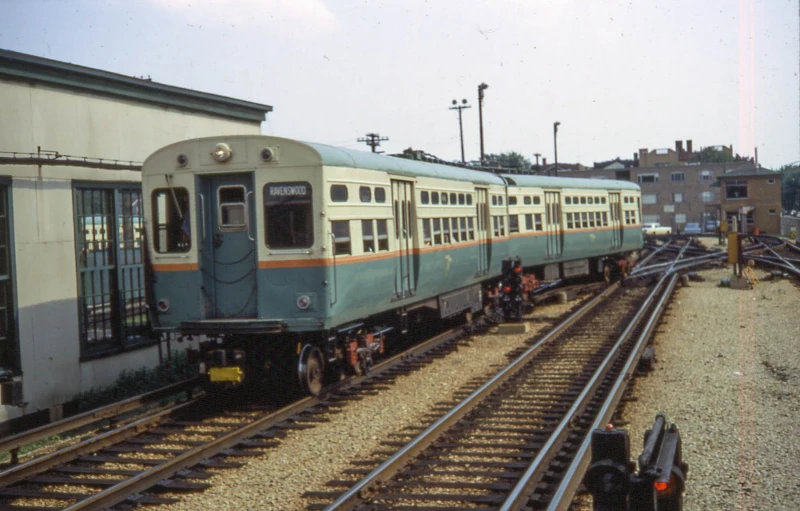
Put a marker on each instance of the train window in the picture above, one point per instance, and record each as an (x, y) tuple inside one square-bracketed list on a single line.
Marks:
[(469, 200), (463, 229), (368, 236), (288, 215), (445, 229), (426, 231), (529, 222), (537, 221), (423, 196), (496, 227), (454, 229), (171, 220), (471, 228), (434, 197), (583, 200), (437, 231), (602, 200), (575, 200), (537, 200), (453, 198), (341, 237), (526, 199), (339, 193), (502, 225), (499, 200), (494, 200), (567, 200), (365, 193), (570, 225), (512, 201), (591, 219), (462, 199), (590, 200), (584, 220), (232, 208), (380, 194), (513, 223), (605, 219), (444, 197), (383, 235)]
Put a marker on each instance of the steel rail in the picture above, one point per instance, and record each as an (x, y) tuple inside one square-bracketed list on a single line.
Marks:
[(14, 442), (518, 497), (392, 465), (562, 498), (663, 247), (141, 482), (43, 463)]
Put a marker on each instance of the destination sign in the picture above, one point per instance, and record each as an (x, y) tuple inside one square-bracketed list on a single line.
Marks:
[(282, 192)]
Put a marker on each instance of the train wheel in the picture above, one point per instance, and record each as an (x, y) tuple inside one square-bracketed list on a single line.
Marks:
[(311, 370)]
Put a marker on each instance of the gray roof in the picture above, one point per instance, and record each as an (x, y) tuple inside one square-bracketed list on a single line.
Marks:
[(28, 68), (569, 182), (751, 171)]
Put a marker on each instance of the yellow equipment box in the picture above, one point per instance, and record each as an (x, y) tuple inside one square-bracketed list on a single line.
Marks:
[(225, 374)]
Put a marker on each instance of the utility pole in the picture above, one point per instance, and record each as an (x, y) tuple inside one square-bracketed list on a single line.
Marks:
[(555, 143), (537, 161), (373, 140), (460, 107), (482, 87)]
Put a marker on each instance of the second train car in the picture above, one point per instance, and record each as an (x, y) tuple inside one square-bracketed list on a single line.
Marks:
[(297, 258)]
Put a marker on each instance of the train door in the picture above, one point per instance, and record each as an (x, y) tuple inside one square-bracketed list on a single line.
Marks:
[(402, 202), (552, 215), (484, 247), (616, 219), (228, 260)]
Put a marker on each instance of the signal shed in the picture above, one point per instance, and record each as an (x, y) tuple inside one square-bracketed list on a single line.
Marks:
[(72, 314)]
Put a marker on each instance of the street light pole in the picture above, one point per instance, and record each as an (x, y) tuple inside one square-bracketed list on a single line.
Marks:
[(482, 87), (461, 107), (555, 143)]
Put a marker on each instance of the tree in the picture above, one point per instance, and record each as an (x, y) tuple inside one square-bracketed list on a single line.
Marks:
[(791, 186), (509, 160)]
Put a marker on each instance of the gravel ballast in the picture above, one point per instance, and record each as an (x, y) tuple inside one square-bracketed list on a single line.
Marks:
[(726, 373)]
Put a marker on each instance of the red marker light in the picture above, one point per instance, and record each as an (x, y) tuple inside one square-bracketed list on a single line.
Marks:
[(660, 486), (609, 427), (507, 289), (518, 269)]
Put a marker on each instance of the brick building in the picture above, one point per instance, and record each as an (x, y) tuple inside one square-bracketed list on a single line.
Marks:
[(753, 194)]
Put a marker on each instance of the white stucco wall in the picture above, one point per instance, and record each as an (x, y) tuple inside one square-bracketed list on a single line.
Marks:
[(43, 232)]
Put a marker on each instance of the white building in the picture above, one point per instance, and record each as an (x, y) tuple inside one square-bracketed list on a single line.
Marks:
[(72, 138)]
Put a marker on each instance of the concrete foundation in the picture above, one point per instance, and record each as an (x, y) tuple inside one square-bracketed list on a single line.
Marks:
[(512, 328)]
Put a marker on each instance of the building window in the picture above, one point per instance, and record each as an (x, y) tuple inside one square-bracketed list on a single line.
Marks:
[(648, 198), (678, 177), (706, 175), (9, 348), (680, 218), (770, 181), (651, 219), (677, 198), (111, 292), (647, 178), (773, 212), (736, 190), (707, 196)]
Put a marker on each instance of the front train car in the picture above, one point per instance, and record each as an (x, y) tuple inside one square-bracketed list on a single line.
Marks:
[(235, 245)]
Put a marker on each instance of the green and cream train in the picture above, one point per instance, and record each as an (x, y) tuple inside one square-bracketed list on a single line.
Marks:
[(300, 257)]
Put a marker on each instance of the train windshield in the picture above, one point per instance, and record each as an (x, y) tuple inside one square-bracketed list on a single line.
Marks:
[(288, 218)]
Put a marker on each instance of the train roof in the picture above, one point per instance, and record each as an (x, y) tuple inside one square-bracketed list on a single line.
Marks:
[(341, 157), (568, 182)]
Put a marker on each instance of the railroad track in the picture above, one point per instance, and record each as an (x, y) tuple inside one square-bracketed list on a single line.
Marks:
[(520, 439), (136, 462)]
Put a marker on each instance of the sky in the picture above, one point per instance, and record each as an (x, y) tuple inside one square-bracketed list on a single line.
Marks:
[(617, 75)]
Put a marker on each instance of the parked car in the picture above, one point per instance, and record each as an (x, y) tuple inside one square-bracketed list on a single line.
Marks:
[(656, 229), (692, 228)]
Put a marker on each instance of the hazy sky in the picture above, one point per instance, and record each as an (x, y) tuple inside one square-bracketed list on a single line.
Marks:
[(619, 76)]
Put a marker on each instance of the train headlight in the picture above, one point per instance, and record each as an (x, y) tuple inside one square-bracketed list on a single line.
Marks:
[(222, 152), (303, 302), (163, 305), (182, 160)]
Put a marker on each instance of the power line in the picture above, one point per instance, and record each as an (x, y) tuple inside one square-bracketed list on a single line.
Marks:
[(373, 140)]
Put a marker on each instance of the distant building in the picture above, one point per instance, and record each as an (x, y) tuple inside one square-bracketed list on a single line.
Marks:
[(752, 194)]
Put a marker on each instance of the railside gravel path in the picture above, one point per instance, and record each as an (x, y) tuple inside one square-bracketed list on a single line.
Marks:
[(727, 373)]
